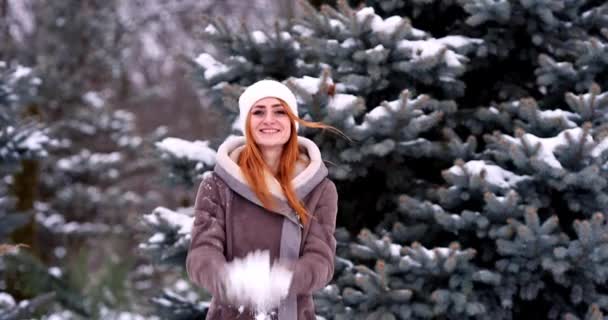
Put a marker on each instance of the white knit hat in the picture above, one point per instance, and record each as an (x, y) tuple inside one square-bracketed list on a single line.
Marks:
[(264, 89)]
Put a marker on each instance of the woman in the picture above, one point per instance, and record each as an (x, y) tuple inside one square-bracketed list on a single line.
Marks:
[(269, 191)]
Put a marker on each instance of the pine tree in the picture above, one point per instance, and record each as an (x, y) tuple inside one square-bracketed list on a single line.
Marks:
[(476, 179), (169, 230), (21, 138), (79, 193)]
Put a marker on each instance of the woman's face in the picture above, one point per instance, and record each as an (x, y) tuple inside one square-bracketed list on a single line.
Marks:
[(269, 123)]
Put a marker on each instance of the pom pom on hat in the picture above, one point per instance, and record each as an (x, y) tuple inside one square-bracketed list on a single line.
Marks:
[(264, 89)]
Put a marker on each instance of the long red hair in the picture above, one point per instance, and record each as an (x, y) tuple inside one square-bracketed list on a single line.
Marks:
[(253, 166)]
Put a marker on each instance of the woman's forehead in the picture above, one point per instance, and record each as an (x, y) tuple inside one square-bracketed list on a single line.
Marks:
[(268, 101)]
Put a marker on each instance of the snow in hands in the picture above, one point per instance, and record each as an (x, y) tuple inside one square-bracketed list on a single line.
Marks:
[(253, 282)]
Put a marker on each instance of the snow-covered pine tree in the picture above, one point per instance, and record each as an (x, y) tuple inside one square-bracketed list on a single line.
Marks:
[(80, 193), (22, 138), (477, 178), (169, 230)]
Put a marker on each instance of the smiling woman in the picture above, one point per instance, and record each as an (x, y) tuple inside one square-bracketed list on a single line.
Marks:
[(270, 125), (269, 192)]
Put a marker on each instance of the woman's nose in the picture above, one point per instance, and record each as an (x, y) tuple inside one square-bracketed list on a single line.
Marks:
[(269, 117)]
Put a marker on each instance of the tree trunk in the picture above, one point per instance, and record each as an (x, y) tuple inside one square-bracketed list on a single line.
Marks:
[(25, 186), (4, 31), (24, 189)]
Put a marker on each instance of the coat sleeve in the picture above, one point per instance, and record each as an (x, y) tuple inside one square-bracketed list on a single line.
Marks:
[(205, 262), (315, 267)]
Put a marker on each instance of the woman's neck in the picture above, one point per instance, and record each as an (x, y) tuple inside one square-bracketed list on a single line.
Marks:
[(272, 157)]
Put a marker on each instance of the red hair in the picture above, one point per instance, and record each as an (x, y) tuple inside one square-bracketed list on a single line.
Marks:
[(253, 166)]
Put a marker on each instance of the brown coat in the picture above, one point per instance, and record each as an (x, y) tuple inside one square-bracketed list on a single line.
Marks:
[(229, 223)]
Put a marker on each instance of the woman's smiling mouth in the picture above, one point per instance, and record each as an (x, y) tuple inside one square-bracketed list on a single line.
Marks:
[(269, 131)]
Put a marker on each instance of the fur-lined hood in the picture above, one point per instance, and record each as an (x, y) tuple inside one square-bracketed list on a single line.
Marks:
[(310, 171)]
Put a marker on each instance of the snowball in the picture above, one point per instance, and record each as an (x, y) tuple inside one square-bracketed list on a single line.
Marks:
[(254, 282)]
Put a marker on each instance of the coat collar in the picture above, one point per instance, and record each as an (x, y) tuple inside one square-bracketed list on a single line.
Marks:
[(310, 171)]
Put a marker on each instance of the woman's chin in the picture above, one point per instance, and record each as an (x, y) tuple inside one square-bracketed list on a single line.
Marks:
[(268, 143)]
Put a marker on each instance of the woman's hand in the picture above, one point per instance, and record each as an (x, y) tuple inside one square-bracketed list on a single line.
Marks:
[(218, 289)]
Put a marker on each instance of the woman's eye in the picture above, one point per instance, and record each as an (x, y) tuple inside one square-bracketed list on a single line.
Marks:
[(258, 112), (280, 112)]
